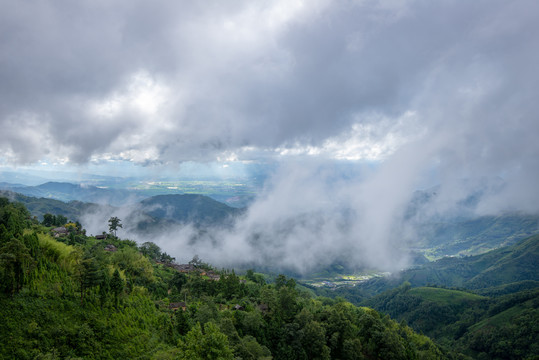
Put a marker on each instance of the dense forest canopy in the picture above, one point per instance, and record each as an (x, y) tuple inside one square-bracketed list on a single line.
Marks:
[(74, 296)]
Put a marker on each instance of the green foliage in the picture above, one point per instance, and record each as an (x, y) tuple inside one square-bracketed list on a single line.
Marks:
[(153, 252), (150, 250), (53, 220), (15, 265), (249, 349), (79, 301), (466, 322), (114, 224), (445, 296), (208, 345), (137, 268)]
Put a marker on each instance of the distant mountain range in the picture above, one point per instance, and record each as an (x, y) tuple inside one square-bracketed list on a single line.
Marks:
[(73, 210), (458, 230), (518, 263), (455, 233), (150, 214), (472, 236), (67, 192)]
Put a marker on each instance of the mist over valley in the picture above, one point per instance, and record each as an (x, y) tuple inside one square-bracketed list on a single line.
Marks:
[(269, 180)]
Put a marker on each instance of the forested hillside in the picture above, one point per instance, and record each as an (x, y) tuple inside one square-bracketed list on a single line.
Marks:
[(516, 266), (151, 214), (485, 306), (74, 296), (40, 206), (494, 327)]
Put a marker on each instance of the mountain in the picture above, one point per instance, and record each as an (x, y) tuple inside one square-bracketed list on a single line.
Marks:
[(516, 264), (497, 267), (494, 312), (154, 213), (68, 192), (72, 210), (188, 208), (86, 298), (11, 177), (446, 226), (475, 235), (497, 327)]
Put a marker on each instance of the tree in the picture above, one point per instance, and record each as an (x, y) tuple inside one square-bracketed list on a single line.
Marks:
[(249, 348), (281, 281), (114, 224), (60, 220), (5, 235), (150, 250), (313, 338), (15, 265), (195, 261), (250, 275), (166, 258), (116, 285), (178, 281), (230, 285), (211, 344), (49, 219), (87, 271)]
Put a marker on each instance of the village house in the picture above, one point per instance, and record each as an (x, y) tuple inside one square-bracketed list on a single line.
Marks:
[(177, 305), (59, 231), (111, 248), (184, 268)]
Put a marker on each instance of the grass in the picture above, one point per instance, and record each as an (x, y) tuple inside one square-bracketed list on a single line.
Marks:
[(55, 250), (500, 319), (444, 296)]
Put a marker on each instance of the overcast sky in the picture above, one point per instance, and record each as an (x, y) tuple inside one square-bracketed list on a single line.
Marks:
[(423, 89), (170, 81)]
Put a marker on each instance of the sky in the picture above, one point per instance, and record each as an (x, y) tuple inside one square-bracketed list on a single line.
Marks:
[(410, 94)]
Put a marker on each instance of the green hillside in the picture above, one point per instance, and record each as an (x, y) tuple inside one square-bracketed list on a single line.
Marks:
[(517, 263), (512, 264), (476, 235), (38, 207), (504, 327), (485, 306), (77, 297), (445, 296), (156, 212)]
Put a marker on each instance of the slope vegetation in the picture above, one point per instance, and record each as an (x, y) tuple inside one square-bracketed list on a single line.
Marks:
[(80, 297)]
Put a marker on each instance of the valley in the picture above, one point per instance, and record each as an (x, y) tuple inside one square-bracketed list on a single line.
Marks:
[(342, 280), (468, 304), (269, 180)]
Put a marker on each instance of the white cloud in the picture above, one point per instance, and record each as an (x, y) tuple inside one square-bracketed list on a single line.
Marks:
[(418, 87)]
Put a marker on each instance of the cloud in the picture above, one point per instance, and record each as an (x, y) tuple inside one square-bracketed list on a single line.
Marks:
[(429, 92), (184, 81)]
